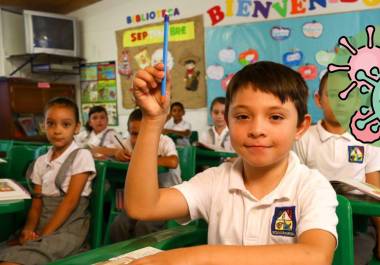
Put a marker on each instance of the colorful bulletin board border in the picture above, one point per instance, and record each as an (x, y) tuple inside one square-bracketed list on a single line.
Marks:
[(306, 44), (98, 87)]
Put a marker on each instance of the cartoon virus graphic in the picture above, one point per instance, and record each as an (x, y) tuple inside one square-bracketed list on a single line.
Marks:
[(363, 72)]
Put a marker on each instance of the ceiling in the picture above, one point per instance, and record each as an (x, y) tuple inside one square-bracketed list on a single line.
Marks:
[(55, 6)]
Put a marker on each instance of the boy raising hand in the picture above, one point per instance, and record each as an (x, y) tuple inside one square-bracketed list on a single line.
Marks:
[(260, 208)]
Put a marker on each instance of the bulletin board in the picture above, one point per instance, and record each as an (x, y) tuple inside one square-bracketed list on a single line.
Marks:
[(142, 46), (98, 87), (305, 44)]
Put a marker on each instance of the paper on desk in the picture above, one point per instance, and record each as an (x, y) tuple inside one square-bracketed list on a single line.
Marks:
[(130, 256), (3, 160)]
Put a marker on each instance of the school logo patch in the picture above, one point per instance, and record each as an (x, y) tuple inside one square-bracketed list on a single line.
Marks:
[(356, 154), (284, 221)]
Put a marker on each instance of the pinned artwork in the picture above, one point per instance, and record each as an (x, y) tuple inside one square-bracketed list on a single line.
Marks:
[(308, 71), (280, 33), (124, 66), (142, 59), (292, 58), (312, 29), (249, 56), (227, 55), (191, 74), (324, 58), (157, 58), (215, 72), (226, 81)]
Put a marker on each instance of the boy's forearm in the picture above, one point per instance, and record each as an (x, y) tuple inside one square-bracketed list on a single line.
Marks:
[(168, 161), (141, 187), (34, 214)]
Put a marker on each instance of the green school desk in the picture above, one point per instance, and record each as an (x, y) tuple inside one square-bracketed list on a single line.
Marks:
[(211, 158), (12, 206), (364, 205), (166, 239)]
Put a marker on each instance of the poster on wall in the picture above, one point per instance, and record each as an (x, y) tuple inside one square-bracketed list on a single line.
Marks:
[(98, 87), (306, 44), (142, 46)]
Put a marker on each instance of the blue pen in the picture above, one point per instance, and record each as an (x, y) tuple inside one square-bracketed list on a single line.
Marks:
[(165, 54)]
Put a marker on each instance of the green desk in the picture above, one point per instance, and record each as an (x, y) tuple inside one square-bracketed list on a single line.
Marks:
[(182, 236), (12, 206), (364, 205), (211, 158)]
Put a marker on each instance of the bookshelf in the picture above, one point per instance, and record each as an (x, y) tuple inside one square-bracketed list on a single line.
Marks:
[(23, 99)]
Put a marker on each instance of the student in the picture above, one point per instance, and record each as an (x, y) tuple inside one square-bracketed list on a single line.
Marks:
[(265, 205), (177, 126), (123, 227), (218, 134), (58, 220), (97, 135), (327, 147)]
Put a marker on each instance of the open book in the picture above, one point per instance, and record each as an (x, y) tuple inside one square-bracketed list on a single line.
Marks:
[(347, 185), (130, 256), (11, 190)]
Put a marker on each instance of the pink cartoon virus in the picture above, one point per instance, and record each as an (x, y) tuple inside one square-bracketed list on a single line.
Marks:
[(363, 72)]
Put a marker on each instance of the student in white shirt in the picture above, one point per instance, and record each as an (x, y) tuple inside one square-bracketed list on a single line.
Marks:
[(260, 208), (123, 227), (327, 147), (97, 135), (217, 135), (176, 126)]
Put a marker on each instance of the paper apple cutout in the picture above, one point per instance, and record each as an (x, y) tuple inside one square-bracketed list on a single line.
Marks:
[(280, 33), (215, 72), (312, 29), (226, 81), (308, 71), (248, 57), (227, 55), (292, 58), (324, 58)]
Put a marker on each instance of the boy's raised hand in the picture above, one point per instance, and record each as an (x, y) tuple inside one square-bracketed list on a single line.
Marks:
[(147, 91)]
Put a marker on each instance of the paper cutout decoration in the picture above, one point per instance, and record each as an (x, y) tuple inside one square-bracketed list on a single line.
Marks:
[(142, 59), (324, 58), (308, 71), (226, 81), (124, 66), (312, 29), (215, 72), (280, 33), (227, 55), (191, 74), (157, 58), (249, 56), (292, 58)]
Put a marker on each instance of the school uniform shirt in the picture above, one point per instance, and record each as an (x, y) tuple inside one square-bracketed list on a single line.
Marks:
[(166, 147), (181, 126), (222, 140), (91, 139), (303, 200), (45, 170), (337, 155)]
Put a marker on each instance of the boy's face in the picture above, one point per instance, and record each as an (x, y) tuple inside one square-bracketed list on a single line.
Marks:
[(98, 121), (322, 101), (60, 126), (177, 113), (217, 115), (134, 129), (262, 129)]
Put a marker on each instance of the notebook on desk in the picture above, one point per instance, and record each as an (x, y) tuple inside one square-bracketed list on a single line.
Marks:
[(130, 256)]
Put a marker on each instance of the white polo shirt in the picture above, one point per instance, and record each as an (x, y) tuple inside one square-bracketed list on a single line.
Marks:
[(86, 139), (337, 155), (303, 200), (219, 140), (181, 126), (45, 170), (166, 147)]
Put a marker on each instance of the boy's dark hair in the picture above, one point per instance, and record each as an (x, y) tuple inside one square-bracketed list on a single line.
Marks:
[(322, 83), (94, 109), (136, 115), (178, 104), (273, 78), (221, 100), (63, 101)]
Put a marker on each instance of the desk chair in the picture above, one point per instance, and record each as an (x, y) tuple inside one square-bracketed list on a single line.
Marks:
[(5, 146), (194, 137), (187, 161)]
